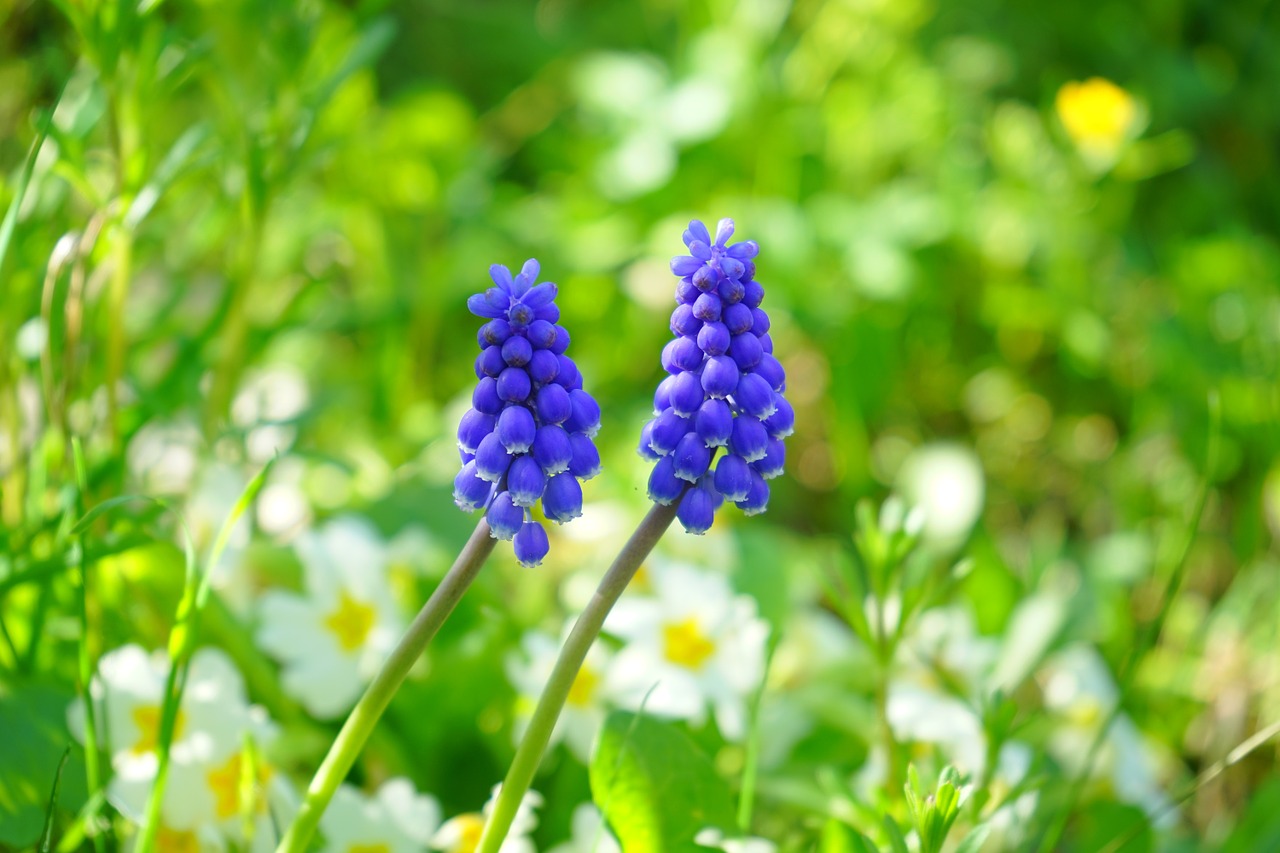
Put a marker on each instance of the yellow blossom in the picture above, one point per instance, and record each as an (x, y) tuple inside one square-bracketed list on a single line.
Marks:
[(1098, 115)]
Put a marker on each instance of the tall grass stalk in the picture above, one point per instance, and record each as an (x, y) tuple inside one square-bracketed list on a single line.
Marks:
[(196, 589), (84, 654)]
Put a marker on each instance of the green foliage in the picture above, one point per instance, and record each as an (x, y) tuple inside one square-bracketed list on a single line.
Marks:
[(655, 786), (33, 755), (200, 195), (838, 838)]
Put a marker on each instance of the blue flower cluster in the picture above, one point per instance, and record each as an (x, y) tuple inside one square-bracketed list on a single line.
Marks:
[(527, 437), (724, 389)]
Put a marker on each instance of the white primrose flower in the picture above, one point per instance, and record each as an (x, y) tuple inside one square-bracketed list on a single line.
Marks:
[(397, 819), (585, 706), (128, 694), (332, 638), (202, 840), (203, 805), (206, 801), (265, 406), (693, 642), (163, 456), (588, 833), (1078, 686), (462, 834), (945, 645)]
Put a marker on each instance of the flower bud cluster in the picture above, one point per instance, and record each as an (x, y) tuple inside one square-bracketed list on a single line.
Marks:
[(528, 436), (724, 388)]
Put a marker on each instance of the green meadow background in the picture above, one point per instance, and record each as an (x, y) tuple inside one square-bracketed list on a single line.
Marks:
[(949, 258)]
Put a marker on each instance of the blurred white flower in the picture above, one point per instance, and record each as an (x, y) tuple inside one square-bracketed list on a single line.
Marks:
[(397, 819), (31, 338), (271, 395), (333, 638), (693, 642), (1079, 688), (945, 481), (919, 714), (584, 708), (946, 638), (283, 509), (711, 837), (945, 647), (462, 834), (127, 694), (202, 804), (163, 456), (171, 840), (588, 833), (205, 800)]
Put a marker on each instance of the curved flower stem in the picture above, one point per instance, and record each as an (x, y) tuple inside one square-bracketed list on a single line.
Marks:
[(585, 630), (364, 717)]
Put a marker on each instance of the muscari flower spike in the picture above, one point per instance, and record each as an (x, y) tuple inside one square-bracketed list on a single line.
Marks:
[(724, 388), (528, 435)]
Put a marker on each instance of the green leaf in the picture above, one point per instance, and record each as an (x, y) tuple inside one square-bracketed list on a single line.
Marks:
[(838, 838), (1259, 828), (165, 173), (655, 787), (46, 837), (897, 842), (106, 506), (246, 499), (760, 575), (32, 718), (1102, 823), (10, 220), (973, 842)]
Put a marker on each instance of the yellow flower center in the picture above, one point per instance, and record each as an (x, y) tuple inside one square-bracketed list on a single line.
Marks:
[(584, 687), (177, 840), (350, 622), (380, 847), (470, 828), (225, 782), (686, 645), (147, 719), (1085, 713), (1096, 112)]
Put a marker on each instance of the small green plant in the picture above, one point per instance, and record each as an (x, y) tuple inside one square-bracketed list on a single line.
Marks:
[(933, 813)]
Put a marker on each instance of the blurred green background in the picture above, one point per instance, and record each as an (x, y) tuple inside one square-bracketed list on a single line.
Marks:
[(960, 243)]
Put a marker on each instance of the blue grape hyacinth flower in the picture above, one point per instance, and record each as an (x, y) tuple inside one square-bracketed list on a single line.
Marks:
[(527, 439), (720, 415)]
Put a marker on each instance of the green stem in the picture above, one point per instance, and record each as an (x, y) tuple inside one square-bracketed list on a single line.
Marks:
[(84, 656), (585, 630), (173, 687), (118, 295), (885, 649), (751, 768), (364, 717)]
